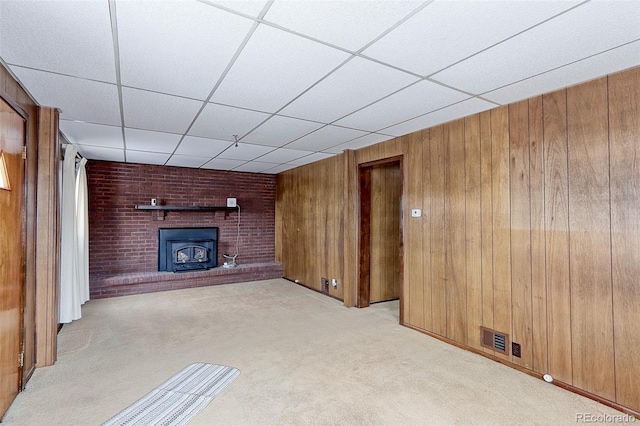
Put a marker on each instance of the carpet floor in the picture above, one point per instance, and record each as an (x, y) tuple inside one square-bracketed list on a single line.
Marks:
[(305, 360)]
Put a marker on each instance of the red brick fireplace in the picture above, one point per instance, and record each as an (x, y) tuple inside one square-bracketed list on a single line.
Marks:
[(123, 241)]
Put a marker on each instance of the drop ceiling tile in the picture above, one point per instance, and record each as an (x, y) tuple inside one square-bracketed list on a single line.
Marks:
[(251, 8), (283, 155), (192, 145), (587, 30), (316, 156), (279, 131), (254, 167), (411, 102), (142, 157), (334, 21), (354, 85), (279, 169), (145, 140), (452, 112), (78, 99), (79, 133), (222, 122), (245, 151), (366, 140), (608, 62), (191, 43), (447, 31), (155, 111), (187, 161), (66, 37), (221, 164), (274, 67), (325, 137), (101, 153)]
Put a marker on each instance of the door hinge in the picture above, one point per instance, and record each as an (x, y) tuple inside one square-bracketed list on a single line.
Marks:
[(24, 152), (21, 359)]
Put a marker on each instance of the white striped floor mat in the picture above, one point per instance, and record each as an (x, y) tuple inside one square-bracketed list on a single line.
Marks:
[(179, 399)]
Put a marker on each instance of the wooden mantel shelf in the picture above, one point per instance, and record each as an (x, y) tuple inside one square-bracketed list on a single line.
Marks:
[(183, 208)]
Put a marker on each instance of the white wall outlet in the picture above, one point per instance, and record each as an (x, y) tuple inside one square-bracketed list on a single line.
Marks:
[(232, 202), (416, 212), (334, 283)]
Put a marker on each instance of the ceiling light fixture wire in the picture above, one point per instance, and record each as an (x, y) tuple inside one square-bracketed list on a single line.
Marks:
[(236, 138)]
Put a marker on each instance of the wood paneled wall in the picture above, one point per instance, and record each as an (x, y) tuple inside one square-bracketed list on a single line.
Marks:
[(309, 223), (386, 193), (530, 226)]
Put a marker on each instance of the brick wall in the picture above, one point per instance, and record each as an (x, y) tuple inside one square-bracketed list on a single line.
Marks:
[(124, 240)]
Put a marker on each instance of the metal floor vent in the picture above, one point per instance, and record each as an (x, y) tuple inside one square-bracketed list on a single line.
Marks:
[(494, 340)]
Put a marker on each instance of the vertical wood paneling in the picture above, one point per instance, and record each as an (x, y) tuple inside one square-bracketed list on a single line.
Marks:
[(501, 222), (438, 242), (473, 229), (349, 247), (520, 232), (486, 204), (538, 265), (426, 230), (414, 272), (557, 236), (455, 273), (590, 239), (386, 187), (624, 127)]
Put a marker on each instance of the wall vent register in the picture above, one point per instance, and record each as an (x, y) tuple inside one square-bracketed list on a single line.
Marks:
[(494, 340)]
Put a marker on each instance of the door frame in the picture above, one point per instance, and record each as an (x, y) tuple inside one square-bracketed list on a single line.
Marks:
[(363, 286)]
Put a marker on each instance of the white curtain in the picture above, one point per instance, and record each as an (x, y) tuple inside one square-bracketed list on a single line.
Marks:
[(74, 283), (82, 229)]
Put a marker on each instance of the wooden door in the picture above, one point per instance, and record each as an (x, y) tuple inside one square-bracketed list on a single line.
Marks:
[(380, 233), (11, 252)]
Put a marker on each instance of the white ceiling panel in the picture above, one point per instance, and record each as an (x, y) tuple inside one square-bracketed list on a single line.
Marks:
[(325, 137), (254, 167), (459, 110), (186, 161), (283, 155), (222, 122), (587, 30), (67, 37), (245, 151), (281, 168), (79, 133), (145, 140), (187, 39), (447, 31), (411, 102), (605, 63), (101, 153), (202, 147), (251, 7), (334, 21), (222, 164), (146, 157), (279, 131), (78, 99), (356, 84), (273, 68), (155, 111), (316, 156), (366, 140)]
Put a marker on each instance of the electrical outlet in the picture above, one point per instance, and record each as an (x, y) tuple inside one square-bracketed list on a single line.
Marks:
[(334, 283)]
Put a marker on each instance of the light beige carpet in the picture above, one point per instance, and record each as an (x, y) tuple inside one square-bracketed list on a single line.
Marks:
[(305, 359)]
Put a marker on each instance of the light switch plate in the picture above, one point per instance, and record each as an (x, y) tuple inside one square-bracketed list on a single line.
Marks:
[(416, 212), (232, 202)]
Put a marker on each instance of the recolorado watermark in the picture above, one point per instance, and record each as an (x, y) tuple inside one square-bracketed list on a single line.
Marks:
[(604, 418)]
